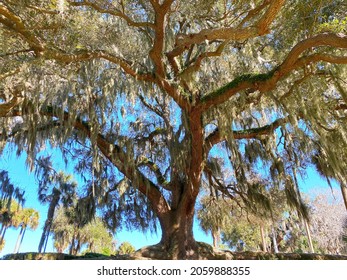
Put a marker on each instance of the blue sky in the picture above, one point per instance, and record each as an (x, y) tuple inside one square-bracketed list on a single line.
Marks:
[(21, 177)]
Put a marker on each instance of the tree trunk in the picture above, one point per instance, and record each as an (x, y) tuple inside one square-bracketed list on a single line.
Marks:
[(177, 233), (274, 240), (21, 240), (4, 229), (72, 245), (216, 238), (307, 228), (78, 246), (90, 247), (45, 246), (16, 248), (344, 193), (177, 241), (44, 236), (263, 240)]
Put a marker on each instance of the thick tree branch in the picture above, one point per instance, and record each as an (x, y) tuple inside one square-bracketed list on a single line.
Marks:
[(118, 157), (155, 169), (16, 24), (184, 41), (324, 39), (89, 55), (268, 81), (7, 109), (156, 53), (270, 15), (254, 12), (216, 137), (111, 10)]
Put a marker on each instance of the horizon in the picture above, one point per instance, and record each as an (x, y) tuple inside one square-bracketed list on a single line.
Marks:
[(21, 177)]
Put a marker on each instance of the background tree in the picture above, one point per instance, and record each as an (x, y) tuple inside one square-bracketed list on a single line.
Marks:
[(9, 192), (98, 238), (328, 218), (55, 188), (67, 234), (151, 90), (61, 230), (125, 248), (11, 202), (213, 215), (7, 218)]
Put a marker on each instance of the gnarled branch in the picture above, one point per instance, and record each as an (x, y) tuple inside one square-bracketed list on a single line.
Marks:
[(184, 41), (111, 10)]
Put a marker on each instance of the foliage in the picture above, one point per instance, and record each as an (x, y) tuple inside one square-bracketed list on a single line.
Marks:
[(243, 236), (61, 230), (328, 219), (240, 231), (26, 218), (238, 227), (125, 248), (10, 211), (94, 235), (55, 188), (2, 244)]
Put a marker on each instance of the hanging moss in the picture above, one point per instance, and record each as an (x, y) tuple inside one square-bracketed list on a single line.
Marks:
[(251, 78)]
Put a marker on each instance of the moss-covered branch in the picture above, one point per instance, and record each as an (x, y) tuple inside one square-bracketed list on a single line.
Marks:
[(216, 136), (237, 84), (268, 81)]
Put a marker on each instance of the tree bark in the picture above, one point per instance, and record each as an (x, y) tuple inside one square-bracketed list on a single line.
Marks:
[(307, 228), (78, 245), (262, 234), (344, 193), (72, 245), (274, 240), (19, 238), (216, 238), (4, 229), (1, 231), (50, 214)]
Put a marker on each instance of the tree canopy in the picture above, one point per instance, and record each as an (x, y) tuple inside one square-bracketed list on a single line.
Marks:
[(153, 98), (68, 233)]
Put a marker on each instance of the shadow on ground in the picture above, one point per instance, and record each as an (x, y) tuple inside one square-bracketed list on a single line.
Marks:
[(222, 255)]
